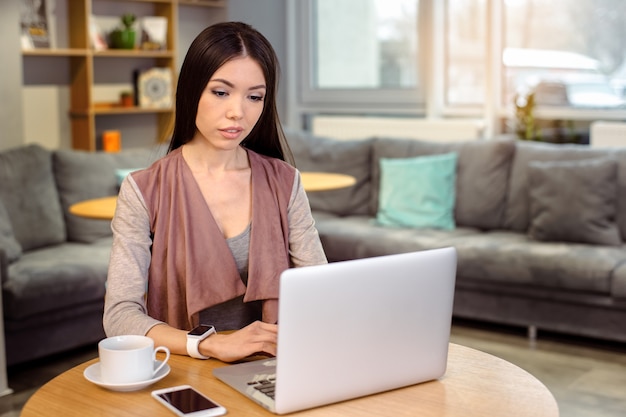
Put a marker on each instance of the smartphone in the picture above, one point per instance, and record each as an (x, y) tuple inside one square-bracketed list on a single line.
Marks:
[(185, 401)]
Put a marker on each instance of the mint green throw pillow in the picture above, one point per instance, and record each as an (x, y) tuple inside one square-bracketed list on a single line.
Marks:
[(121, 174), (418, 192)]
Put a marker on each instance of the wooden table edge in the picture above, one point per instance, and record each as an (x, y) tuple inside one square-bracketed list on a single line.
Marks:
[(468, 377)]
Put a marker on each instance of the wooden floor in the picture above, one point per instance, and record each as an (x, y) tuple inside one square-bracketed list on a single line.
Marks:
[(587, 378)]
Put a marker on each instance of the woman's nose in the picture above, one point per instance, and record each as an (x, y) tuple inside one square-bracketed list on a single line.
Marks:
[(235, 110)]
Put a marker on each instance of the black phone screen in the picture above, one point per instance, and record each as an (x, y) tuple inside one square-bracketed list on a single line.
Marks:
[(188, 400)]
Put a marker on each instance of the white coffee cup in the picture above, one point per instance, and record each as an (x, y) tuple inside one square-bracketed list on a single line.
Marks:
[(129, 359)]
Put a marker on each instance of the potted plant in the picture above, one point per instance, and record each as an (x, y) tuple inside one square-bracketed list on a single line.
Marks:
[(526, 126), (127, 99), (124, 37)]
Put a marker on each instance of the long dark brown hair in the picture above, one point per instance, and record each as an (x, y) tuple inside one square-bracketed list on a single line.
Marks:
[(211, 49)]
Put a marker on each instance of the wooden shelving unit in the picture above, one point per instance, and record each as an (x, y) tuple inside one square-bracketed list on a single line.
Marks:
[(85, 111)]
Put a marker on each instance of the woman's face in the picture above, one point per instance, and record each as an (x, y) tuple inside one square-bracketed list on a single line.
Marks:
[(231, 103)]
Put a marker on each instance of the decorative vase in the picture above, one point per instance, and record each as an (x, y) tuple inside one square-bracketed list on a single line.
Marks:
[(123, 39)]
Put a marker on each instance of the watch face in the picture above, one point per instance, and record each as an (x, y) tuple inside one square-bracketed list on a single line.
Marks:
[(200, 330)]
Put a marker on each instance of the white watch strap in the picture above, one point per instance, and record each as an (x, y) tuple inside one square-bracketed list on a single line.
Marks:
[(192, 348), (193, 343)]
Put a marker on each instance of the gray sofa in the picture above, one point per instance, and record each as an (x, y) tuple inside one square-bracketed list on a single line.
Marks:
[(53, 264), (520, 259), (538, 227)]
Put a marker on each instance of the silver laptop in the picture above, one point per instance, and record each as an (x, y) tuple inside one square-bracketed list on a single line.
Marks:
[(354, 328)]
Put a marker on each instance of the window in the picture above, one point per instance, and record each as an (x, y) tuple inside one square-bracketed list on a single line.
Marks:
[(460, 58), (366, 44), (361, 53), (466, 35), (569, 53)]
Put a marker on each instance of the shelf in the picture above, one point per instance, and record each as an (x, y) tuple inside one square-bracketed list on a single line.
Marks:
[(145, 1), (109, 53), (203, 3), (55, 52), (132, 53), (129, 110), (110, 109)]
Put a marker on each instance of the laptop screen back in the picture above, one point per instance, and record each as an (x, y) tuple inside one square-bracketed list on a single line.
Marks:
[(353, 328)]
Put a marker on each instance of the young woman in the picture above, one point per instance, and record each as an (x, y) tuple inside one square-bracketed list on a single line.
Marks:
[(202, 235)]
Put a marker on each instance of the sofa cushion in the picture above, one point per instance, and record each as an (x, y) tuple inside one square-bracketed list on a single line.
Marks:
[(418, 192), (30, 197), (618, 283), (517, 214), (574, 201), (11, 247), (482, 175), (53, 278), (355, 237), (351, 157), (82, 175), (620, 155), (508, 258), (513, 258)]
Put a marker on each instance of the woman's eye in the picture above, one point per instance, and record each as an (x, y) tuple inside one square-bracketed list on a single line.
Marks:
[(219, 93), (256, 98)]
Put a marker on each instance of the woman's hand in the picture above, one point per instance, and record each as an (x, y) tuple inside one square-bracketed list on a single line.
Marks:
[(257, 337)]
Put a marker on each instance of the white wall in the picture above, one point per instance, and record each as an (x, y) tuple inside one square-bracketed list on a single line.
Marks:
[(439, 130), (268, 17), (11, 134)]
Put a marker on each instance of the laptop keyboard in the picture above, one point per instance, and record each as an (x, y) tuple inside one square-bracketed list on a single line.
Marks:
[(262, 387)]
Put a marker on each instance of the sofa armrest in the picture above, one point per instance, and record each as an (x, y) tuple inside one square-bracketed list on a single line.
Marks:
[(4, 387), (4, 263)]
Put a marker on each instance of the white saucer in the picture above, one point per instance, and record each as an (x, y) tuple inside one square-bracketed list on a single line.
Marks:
[(92, 374)]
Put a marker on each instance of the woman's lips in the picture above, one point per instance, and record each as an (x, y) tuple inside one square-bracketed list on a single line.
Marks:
[(231, 132)]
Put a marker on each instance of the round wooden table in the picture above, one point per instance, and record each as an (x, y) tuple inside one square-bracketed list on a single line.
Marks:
[(324, 181), (104, 208), (476, 384), (97, 208)]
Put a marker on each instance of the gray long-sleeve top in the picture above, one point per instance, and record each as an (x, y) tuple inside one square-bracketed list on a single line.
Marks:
[(125, 303)]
